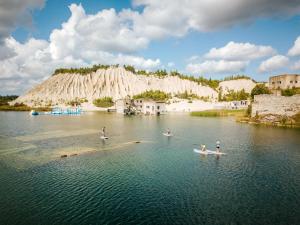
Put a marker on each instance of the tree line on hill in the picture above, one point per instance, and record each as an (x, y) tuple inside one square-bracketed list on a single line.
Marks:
[(4, 100), (213, 83)]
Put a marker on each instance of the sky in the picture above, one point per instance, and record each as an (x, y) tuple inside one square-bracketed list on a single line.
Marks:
[(210, 38)]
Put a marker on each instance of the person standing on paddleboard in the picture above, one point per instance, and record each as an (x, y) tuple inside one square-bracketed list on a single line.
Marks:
[(203, 148), (168, 131), (103, 131), (218, 146)]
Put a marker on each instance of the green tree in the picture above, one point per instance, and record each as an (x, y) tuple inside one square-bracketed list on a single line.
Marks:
[(259, 89), (105, 102), (153, 95), (129, 68)]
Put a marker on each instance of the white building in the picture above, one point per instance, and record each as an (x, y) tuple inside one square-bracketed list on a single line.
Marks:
[(150, 107), (138, 104), (123, 105)]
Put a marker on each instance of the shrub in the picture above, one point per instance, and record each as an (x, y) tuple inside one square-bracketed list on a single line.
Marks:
[(259, 89), (161, 73), (238, 77), (82, 70), (105, 102), (5, 99), (235, 96), (153, 95), (129, 68), (290, 92)]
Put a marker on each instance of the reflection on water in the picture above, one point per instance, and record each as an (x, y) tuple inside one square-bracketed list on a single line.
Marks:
[(140, 176)]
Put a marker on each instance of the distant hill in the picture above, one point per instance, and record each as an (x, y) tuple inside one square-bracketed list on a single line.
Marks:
[(115, 82)]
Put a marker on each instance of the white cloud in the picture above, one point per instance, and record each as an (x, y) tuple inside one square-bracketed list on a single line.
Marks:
[(219, 67), (295, 50), (114, 37), (240, 51), (33, 62), (14, 13), (104, 31), (176, 17), (274, 63), (296, 66)]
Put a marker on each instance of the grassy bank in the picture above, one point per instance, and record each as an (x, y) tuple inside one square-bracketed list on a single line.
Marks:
[(23, 108), (220, 113)]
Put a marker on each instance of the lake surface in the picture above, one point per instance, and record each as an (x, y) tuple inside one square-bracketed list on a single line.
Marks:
[(158, 181)]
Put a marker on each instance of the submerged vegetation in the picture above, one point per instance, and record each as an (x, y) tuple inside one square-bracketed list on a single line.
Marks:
[(105, 102), (153, 95), (220, 113)]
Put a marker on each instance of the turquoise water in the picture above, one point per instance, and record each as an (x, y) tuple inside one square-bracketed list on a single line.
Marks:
[(158, 181)]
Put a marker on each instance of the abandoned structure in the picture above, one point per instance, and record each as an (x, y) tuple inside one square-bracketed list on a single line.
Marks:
[(150, 107), (284, 81), (136, 106)]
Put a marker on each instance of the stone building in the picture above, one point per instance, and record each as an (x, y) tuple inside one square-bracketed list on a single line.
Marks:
[(284, 81)]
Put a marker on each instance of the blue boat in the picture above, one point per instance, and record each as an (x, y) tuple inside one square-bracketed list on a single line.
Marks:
[(68, 111), (33, 113)]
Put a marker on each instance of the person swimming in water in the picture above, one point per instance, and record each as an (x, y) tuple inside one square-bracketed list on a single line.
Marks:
[(218, 146), (168, 131)]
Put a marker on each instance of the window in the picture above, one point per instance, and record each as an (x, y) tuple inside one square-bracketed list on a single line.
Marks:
[(296, 81), (291, 81), (273, 82), (140, 101), (147, 106), (158, 107)]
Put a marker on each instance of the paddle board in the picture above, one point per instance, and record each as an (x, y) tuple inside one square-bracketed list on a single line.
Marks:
[(103, 137), (168, 135), (208, 152)]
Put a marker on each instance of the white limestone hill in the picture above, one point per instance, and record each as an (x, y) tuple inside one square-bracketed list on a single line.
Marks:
[(115, 82), (237, 85)]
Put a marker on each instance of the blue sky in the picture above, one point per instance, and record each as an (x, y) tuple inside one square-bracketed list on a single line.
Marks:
[(151, 35)]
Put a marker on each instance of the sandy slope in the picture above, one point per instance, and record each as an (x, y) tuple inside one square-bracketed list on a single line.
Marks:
[(237, 85), (114, 82)]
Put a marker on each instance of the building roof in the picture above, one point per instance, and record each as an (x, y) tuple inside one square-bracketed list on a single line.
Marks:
[(284, 75)]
